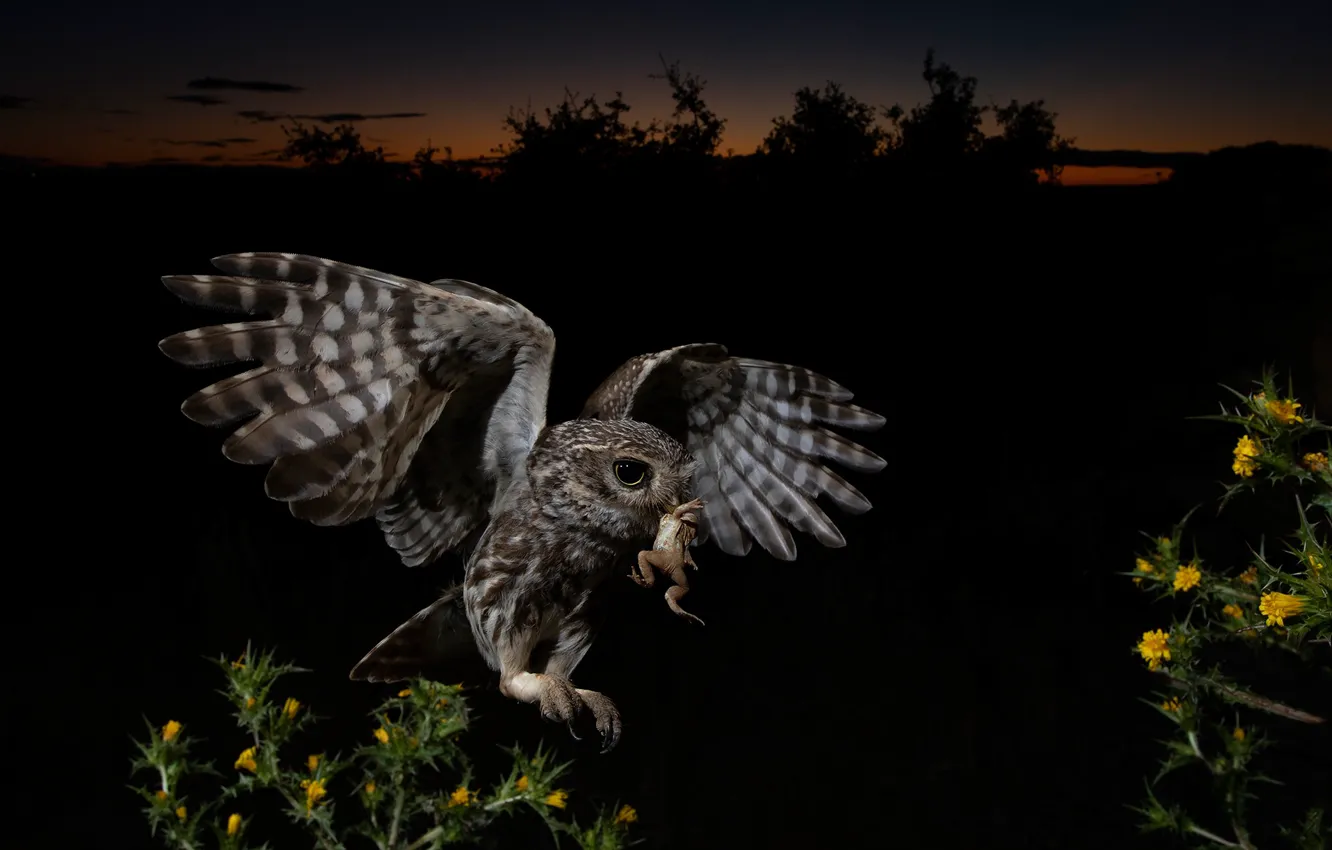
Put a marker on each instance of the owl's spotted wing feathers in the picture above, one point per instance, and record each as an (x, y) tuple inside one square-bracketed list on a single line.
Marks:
[(757, 431), (357, 397)]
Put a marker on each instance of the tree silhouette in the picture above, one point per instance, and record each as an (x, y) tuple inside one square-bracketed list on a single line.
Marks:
[(578, 135), (696, 130), (322, 149), (428, 171), (1028, 142), (948, 127), (829, 136), (828, 128)]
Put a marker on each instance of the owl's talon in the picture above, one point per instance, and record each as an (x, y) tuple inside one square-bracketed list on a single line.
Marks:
[(573, 733), (607, 715), (559, 699)]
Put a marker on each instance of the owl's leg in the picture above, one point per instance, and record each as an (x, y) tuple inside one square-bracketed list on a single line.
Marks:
[(551, 688), (556, 695), (575, 639)]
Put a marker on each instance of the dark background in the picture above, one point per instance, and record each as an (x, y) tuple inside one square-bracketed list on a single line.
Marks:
[(961, 674)]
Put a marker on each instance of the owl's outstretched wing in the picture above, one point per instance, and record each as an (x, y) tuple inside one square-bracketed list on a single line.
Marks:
[(756, 430), (375, 395)]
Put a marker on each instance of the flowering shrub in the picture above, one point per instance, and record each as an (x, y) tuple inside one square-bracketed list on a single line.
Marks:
[(408, 786), (1227, 614)]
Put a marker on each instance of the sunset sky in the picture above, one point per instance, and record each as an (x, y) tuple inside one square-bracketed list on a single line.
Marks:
[(84, 82)]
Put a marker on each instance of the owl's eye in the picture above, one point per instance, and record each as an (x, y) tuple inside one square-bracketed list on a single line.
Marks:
[(632, 473)]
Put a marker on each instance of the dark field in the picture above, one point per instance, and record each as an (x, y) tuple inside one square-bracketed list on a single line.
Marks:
[(960, 674)]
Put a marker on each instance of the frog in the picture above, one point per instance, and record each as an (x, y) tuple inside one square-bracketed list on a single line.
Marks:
[(670, 555)]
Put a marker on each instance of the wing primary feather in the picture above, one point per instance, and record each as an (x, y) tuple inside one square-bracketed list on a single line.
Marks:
[(776, 484), (781, 380), (721, 520), (354, 367), (810, 441)]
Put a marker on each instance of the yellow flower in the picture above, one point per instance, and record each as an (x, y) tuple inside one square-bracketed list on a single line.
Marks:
[(381, 735), (314, 792), (238, 664), (1245, 451), (1187, 578), (1171, 704), (557, 799), (370, 788), (405, 692), (170, 730), (1233, 610), (522, 783), (161, 795), (1279, 606), (1284, 411), (460, 797), (1143, 565), (1238, 733), (1315, 461), (1154, 648), (290, 707), (1315, 563), (233, 824), (180, 813), (249, 702), (312, 762), (246, 760), (626, 814), (1249, 576)]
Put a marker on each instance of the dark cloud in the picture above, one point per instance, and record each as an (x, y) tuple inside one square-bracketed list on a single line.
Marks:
[(201, 99), (11, 162), (207, 143), (161, 159), (260, 116), (119, 112), (13, 101), (269, 156), (216, 83), (348, 117), (213, 157)]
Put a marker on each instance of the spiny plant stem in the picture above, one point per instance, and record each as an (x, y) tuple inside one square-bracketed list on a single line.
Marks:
[(398, 803)]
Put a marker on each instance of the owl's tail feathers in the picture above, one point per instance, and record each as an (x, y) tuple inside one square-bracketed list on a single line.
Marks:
[(436, 643)]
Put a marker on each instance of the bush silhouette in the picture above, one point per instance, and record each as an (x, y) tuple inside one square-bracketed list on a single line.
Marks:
[(829, 136)]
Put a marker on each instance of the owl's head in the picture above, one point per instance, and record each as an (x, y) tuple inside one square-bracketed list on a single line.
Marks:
[(617, 476)]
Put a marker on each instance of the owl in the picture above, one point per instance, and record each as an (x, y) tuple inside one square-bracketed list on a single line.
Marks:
[(424, 407)]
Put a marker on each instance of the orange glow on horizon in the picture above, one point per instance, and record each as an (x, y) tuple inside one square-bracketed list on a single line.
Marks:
[(1113, 175)]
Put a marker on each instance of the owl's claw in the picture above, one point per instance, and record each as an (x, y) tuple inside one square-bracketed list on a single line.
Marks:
[(559, 700), (607, 715)]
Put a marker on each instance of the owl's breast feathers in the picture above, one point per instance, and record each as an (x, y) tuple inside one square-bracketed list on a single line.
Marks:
[(531, 565)]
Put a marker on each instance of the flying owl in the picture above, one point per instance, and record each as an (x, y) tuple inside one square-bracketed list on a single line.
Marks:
[(424, 406)]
